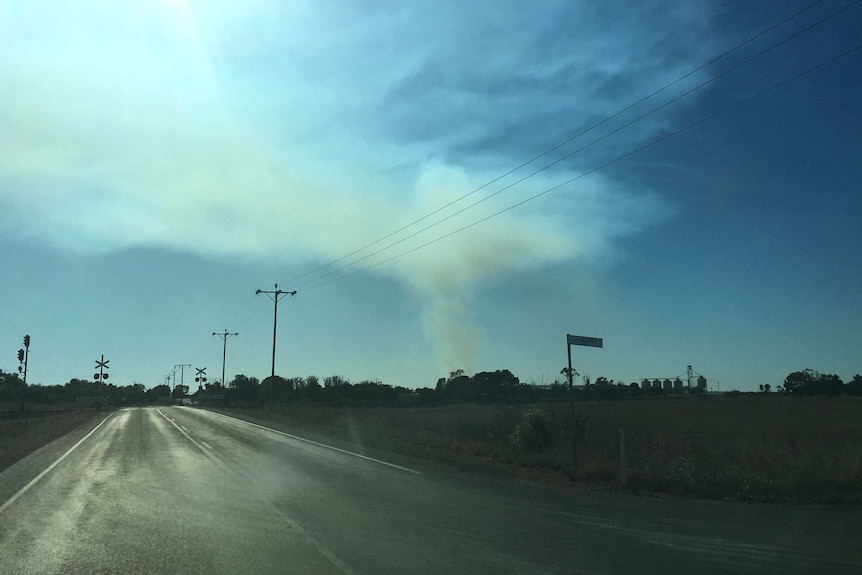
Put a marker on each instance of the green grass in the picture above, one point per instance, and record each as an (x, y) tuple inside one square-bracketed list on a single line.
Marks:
[(21, 436), (766, 448)]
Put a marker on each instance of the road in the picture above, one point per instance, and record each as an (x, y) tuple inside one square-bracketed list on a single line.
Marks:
[(185, 490)]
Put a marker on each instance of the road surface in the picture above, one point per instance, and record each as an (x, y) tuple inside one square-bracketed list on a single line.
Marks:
[(184, 490)]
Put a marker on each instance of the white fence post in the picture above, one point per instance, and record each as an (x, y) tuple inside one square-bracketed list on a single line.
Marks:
[(623, 458)]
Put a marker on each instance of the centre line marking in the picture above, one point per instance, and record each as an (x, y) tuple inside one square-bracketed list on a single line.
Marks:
[(334, 559)]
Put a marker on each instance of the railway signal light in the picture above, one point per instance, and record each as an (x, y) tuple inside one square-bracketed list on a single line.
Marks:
[(20, 356), (26, 341)]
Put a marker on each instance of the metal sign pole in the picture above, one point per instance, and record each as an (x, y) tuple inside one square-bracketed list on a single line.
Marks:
[(570, 341), (572, 409)]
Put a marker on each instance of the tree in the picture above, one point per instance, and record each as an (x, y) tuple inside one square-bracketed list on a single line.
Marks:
[(159, 392), (800, 382), (334, 381), (810, 382), (276, 389), (244, 388)]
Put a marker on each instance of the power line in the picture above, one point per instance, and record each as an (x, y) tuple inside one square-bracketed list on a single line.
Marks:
[(576, 151), (597, 168), (261, 309), (240, 310), (548, 151)]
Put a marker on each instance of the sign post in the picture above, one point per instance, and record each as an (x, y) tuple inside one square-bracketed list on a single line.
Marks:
[(570, 341)]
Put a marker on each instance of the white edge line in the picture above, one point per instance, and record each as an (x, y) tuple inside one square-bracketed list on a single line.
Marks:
[(338, 449), (39, 477)]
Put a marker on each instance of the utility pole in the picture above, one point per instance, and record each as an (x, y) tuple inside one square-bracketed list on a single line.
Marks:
[(225, 335), (275, 295), (182, 366)]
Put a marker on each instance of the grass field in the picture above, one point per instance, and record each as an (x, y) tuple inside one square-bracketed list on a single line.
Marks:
[(22, 435), (762, 447)]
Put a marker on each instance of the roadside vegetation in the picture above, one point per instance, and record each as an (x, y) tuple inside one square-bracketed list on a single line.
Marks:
[(755, 447), (801, 443), (22, 433), (799, 440)]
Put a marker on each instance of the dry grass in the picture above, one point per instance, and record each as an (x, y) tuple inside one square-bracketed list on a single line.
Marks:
[(752, 447), (23, 435)]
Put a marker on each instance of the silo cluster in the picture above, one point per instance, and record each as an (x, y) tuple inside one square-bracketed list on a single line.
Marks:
[(670, 385)]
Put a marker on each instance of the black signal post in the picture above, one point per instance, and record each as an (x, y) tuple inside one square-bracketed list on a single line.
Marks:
[(23, 357)]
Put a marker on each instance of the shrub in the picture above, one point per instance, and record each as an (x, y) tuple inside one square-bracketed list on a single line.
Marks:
[(536, 432)]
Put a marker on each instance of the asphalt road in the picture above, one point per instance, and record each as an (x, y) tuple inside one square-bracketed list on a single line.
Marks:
[(183, 490)]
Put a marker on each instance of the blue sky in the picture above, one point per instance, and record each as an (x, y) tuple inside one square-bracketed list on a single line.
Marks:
[(161, 161)]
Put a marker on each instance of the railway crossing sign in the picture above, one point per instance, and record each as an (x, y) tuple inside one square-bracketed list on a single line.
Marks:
[(200, 376), (102, 365)]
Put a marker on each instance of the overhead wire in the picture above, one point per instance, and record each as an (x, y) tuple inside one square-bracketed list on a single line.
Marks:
[(550, 150), (304, 285), (597, 168)]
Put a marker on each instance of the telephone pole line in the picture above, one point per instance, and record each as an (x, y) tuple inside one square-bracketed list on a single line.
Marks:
[(275, 295), (225, 336), (182, 366)]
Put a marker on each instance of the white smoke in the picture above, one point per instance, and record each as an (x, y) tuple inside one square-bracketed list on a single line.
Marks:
[(115, 132)]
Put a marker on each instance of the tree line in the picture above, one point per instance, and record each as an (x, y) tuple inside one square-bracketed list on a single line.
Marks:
[(14, 390), (810, 382), (488, 386)]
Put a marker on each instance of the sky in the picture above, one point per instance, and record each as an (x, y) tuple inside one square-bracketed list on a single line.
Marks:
[(446, 185)]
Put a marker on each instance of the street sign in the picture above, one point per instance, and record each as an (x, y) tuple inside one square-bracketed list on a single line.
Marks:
[(583, 340)]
